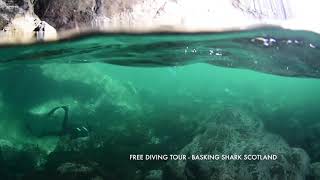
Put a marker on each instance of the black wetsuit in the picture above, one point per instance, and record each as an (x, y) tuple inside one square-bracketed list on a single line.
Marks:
[(66, 129)]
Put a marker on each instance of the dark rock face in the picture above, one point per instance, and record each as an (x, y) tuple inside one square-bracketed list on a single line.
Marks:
[(63, 14), (70, 14), (234, 132), (23, 4), (10, 8)]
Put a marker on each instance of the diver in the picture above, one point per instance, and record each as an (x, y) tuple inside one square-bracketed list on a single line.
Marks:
[(66, 129)]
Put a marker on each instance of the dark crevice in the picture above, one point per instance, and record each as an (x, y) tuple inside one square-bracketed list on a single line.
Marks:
[(97, 7)]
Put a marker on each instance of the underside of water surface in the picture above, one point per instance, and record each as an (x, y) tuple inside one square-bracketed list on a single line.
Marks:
[(78, 108)]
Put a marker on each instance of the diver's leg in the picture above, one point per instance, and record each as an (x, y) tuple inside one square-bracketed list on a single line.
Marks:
[(53, 110), (65, 128)]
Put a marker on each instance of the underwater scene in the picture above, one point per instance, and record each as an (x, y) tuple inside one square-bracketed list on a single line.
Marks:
[(229, 106)]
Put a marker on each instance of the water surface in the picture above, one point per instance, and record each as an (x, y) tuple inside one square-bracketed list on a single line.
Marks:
[(155, 94)]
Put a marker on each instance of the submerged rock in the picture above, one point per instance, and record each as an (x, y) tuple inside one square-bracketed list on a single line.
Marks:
[(315, 170), (77, 145), (235, 132), (108, 91), (77, 171), (74, 168), (20, 159), (154, 175)]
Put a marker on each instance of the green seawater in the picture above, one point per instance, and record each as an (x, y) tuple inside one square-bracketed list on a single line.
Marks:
[(243, 92)]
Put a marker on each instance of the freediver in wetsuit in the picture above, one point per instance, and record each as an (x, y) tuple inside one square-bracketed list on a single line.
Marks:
[(66, 129)]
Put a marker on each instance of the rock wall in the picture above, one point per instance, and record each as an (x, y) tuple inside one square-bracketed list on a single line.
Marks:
[(139, 14), (10, 8), (18, 23)]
